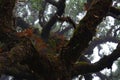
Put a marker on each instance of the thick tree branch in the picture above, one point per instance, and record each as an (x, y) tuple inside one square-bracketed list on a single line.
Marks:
[(105, 62), (107, 38), (60, 10), (6, 14), (99, 41), (114, 12), (85, 31), (24, 57), (46, 29), (7, 24), (99, 74)]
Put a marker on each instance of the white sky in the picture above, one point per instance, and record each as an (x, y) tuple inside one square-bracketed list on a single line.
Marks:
[(106, 51)]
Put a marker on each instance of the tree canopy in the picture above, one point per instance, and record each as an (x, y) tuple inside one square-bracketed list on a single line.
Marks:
[(31, 54)]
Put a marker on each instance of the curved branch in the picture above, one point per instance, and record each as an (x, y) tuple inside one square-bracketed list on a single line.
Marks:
[(47, 28), (105, 62), (114, 12), (6, 15), (96, 42), (99, 74)]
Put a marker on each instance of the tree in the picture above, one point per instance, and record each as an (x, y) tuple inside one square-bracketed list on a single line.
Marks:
[(27, 56)]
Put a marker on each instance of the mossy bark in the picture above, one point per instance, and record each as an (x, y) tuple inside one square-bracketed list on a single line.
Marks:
[(22, 60)]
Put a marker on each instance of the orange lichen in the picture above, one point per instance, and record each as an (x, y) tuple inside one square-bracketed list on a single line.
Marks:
[(27, 32), (39, 43)]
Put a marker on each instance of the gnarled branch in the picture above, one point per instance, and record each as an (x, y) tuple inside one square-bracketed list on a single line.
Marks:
[(105, 62)]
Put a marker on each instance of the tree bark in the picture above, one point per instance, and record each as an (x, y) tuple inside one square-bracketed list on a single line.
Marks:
[(22, 57), (85, 31)]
